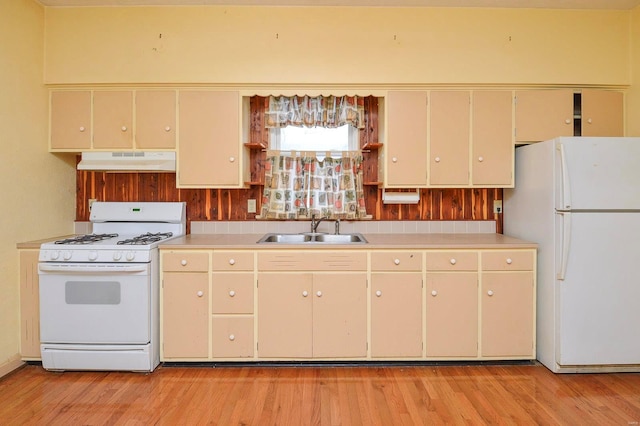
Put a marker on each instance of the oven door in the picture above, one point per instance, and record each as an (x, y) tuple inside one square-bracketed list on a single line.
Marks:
[(95, 303)]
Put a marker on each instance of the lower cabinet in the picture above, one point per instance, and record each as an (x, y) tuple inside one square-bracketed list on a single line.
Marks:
[(29, 306)]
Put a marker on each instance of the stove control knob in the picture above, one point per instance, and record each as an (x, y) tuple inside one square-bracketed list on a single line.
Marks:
[(93, 255), (131, 255), (66, 255), (55, 255), (117, 255)]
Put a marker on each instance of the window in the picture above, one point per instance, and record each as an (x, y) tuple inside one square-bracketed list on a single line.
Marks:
[(293, 138)]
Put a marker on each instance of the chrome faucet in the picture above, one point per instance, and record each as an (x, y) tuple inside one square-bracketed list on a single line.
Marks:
[(337, 224), (315, 223)]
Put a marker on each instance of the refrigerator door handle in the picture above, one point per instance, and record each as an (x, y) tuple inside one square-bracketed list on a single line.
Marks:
[(566, 187), (566, 241)]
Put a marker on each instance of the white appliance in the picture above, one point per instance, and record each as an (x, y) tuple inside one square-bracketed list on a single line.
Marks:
[(99, 293), (579, 199)]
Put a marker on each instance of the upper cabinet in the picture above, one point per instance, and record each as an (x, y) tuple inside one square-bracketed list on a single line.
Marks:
[(543, 114), (70, 116), (210, 152), (111, 120), (155, 119), (602, 113), (405, 149), (449, 138)]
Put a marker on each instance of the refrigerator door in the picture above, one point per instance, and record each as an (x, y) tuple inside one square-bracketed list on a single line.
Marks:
[(597, 173), (597, 309)]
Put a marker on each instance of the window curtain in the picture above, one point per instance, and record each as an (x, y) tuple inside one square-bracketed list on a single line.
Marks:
[(320, 111), (300, 185)]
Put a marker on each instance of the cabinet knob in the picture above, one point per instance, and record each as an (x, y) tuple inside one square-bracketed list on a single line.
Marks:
[(183, 262), (589, 121), (437, 159), (319, 293), (232, 293), (567, 121), (490, 293), (509, 261), (232, 261), (434, 293), (396, 261), (232, 159), (394, 159), (378, 293), (199, 293), (481, 159), (167, 129), (232, 337), (452, 261), (305, 293), (82, 128), (124, 128)]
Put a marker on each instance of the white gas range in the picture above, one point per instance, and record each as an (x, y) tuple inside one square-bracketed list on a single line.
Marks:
[(99, 292)]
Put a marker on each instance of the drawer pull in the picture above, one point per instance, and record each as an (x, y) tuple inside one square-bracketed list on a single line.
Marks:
[(452, 261), (509, 261), (434, 293), (124, 128), (232, 337), (305, 293), (232, 261), (183, 262), (396, 261), (490, 293), (232, 293), (199, 293), (82, 128), (167, 129), (319, 293), (378, 293)]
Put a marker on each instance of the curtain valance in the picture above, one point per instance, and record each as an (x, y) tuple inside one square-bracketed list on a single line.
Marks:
[(320, 111)]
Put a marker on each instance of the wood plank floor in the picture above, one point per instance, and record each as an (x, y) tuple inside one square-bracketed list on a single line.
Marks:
[(396, 395)]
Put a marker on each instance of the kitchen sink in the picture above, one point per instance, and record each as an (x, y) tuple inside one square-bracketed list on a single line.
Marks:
[(312, 238)]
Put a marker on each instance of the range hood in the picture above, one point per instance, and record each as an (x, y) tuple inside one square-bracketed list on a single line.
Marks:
[(128, 161)]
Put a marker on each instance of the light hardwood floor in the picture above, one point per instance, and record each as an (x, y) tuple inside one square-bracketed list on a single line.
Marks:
[(397, 395)]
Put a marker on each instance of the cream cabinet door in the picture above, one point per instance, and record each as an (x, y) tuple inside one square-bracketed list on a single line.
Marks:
[(209, 147), (29, 305), (285, 303), (543, 114), (452, 314), (185, 315), (232, 336), (113, 120), (508, 314), (339, 315), (602, 113), (449, 138), (155, 119), (492, 139), (396, 314), (70, 121), (405, 149)]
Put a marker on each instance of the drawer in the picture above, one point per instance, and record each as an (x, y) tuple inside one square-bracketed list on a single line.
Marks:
[(452, 261), (185, 261), (507, 260), (312, 261), (396, 261), (232, 337), (232, 261), (232, 293)]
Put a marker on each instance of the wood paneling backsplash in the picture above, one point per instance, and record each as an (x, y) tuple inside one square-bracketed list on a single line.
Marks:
[(466, 204)]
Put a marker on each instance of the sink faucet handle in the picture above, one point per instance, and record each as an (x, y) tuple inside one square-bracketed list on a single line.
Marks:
[(337, 231)]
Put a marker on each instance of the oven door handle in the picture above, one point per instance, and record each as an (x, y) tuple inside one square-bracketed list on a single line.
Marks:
[(96, 269)]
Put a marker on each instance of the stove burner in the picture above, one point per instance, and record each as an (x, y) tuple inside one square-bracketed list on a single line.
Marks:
[(86, 239), (144, 239)]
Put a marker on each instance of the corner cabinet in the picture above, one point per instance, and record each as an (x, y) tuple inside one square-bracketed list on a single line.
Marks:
[(347, 304), (210, 153)]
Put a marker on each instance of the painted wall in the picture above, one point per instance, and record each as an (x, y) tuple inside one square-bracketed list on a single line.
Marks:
[(633, 94), (38, 191), (330, 45)]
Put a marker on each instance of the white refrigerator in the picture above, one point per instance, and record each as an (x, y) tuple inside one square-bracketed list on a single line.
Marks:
[(579, 199)]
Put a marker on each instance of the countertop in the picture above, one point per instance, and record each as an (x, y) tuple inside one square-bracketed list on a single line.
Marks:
[(35, 244), (375, 241)]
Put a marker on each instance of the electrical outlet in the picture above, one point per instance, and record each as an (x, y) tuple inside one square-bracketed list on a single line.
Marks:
[(91, 201), (497, 206), (251, 206)]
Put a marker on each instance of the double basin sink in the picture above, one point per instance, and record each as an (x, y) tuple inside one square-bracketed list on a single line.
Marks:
[(313, 238)]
